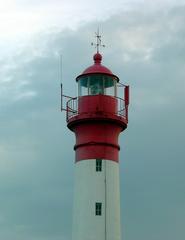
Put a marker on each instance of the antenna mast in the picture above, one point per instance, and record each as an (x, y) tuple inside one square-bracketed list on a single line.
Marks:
[(60, 68)]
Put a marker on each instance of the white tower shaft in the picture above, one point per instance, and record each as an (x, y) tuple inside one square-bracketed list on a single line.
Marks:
[(96, 200)]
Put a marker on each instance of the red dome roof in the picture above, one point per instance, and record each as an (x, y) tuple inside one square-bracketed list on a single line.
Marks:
[(97, 67)]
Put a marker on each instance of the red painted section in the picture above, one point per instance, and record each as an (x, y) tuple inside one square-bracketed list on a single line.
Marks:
[(96, 119), (126, 95), (97, 103), (97, 140), (97, 128), (97, 67)]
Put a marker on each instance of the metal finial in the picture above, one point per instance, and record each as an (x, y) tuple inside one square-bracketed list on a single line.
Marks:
[(98, 41)]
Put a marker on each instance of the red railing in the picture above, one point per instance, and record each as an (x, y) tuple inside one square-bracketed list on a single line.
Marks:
[(121, 107), (72, 108)]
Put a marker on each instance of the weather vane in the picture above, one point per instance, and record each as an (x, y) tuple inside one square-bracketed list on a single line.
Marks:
[(98, 41)]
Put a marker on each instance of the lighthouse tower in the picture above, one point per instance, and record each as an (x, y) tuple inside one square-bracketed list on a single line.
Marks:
[(97, 116)]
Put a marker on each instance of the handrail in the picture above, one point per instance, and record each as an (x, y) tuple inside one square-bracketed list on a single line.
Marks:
[(72, 108)]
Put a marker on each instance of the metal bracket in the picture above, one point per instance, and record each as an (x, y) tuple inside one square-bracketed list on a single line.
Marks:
[(64, 99)]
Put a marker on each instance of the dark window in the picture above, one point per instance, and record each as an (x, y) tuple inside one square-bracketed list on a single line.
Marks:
[(98, 165), (98, 207)]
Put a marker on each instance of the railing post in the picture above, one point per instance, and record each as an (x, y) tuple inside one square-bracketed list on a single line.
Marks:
[(67, 117), (126, 112)]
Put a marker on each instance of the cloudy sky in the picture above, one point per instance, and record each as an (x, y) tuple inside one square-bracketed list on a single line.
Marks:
[(145, 47)]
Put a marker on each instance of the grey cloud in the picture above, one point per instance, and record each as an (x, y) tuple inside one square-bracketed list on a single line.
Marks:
[(36, 173)]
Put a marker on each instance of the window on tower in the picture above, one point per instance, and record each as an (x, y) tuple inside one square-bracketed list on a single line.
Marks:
[(98, 165), (98, 209)]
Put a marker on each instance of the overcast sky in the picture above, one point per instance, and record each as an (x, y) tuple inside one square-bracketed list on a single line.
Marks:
[(145, 47)]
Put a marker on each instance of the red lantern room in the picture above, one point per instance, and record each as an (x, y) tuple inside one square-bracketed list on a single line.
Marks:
[(97, 115)]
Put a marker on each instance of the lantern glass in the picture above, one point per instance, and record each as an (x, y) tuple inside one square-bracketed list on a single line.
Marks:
[(96, 84)]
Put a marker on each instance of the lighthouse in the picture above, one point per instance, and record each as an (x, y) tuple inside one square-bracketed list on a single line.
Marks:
[(97, 116)]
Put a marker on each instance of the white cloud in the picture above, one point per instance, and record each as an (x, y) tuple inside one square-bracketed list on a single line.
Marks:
[(24, 18)]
